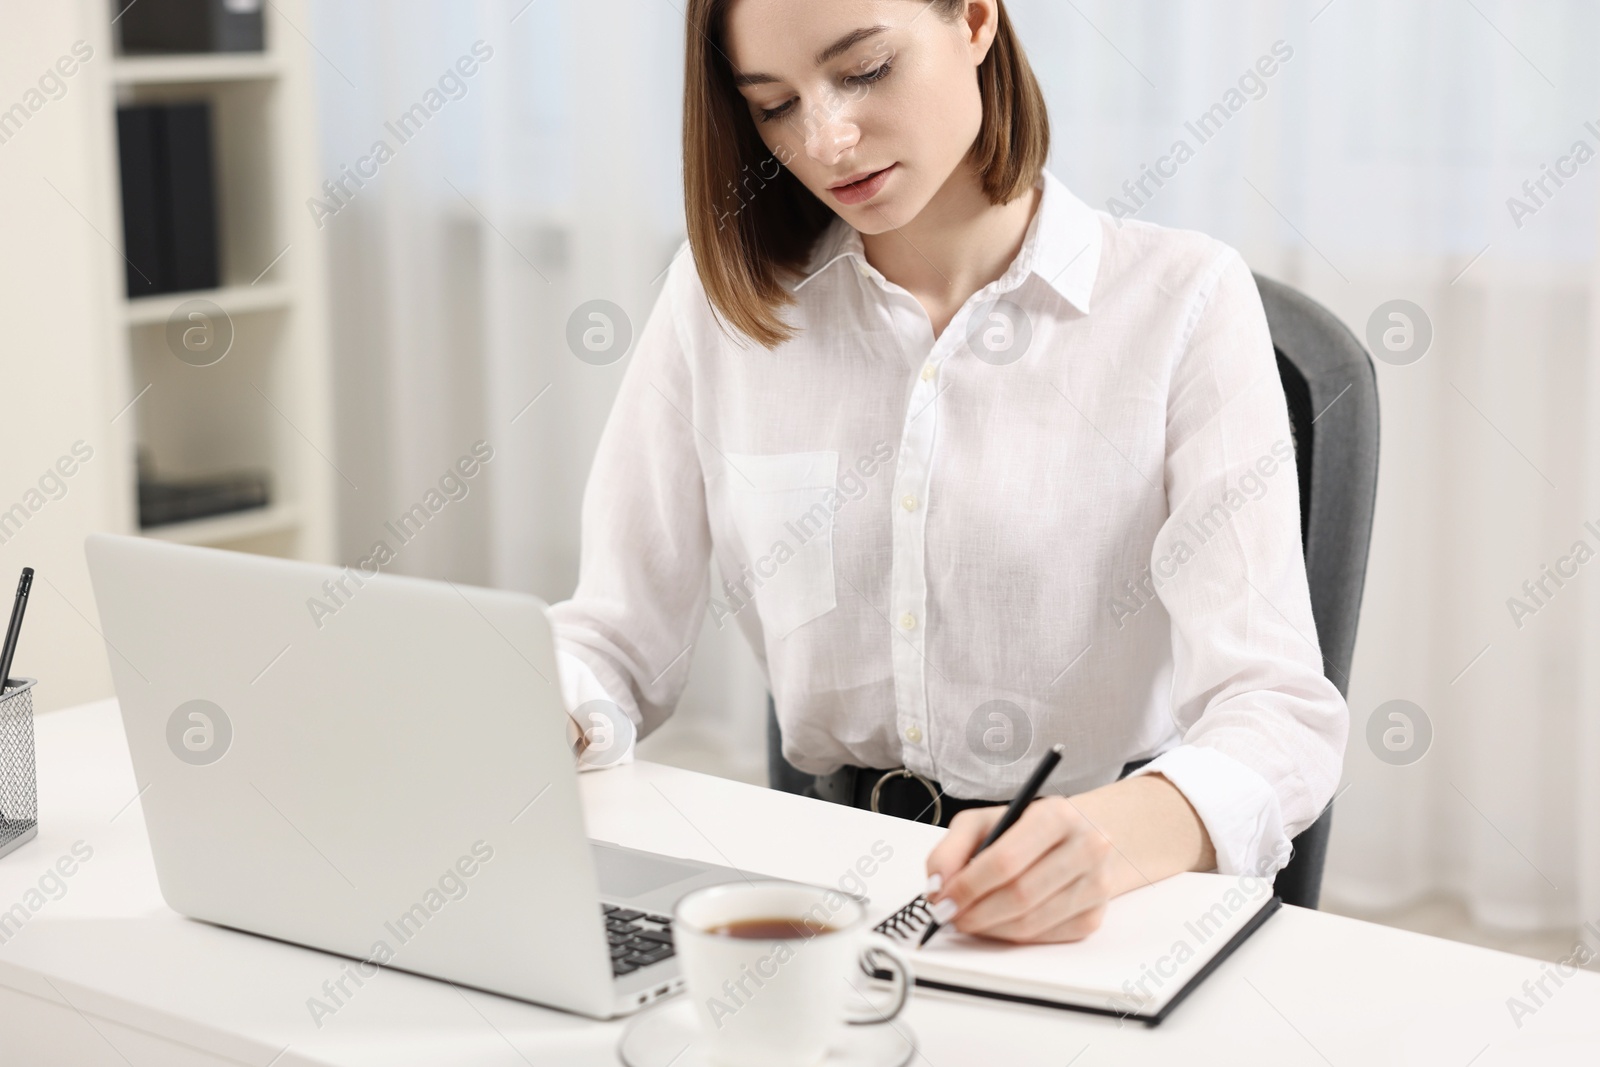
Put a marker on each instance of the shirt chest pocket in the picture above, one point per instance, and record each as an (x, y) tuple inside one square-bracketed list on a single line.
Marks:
[(781, 507)]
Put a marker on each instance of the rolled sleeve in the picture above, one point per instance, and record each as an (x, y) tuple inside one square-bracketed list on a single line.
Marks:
[(1263, 730)]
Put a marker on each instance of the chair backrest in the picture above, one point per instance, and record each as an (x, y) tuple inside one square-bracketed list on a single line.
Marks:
[(1332, 392), (1333, 410)]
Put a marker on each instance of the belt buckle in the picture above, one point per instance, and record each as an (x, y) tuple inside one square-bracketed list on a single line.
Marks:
[(906, 772)]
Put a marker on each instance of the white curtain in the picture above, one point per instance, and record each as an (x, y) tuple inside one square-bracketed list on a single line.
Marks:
[(1374, 163)]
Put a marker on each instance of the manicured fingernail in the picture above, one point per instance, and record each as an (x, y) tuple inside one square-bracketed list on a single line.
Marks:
[(935, 880), (944, 910)]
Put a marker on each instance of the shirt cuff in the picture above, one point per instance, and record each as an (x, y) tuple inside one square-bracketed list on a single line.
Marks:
[(610, 731), (1239, 809)]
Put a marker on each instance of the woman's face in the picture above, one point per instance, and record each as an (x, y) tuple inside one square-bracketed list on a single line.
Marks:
[(872, 104)]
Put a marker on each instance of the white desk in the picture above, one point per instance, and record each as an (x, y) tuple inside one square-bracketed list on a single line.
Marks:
[(106, 974)]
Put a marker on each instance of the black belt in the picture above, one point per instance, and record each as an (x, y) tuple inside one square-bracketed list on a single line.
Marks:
[(905, 794)]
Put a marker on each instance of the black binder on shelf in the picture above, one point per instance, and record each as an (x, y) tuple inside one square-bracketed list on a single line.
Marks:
[(141, 200), (191, 197), (169, 203), (157, 27), (167, 501)]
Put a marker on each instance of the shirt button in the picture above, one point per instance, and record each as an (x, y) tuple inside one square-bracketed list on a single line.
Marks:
[(908, 502), (913, 734), (908, 621), (928, 371)]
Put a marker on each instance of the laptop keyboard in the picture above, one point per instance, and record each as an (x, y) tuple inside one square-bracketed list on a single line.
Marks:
[(637, 938)]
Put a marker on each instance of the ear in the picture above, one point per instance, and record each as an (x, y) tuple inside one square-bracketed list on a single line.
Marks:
[(981, 20)]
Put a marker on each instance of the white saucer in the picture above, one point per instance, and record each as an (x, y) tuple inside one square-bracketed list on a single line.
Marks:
[(670, 1034)]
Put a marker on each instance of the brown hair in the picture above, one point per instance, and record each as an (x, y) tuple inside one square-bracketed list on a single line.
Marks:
[(752, 223)]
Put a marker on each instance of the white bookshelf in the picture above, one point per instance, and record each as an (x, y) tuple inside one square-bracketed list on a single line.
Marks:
[(238, 299), (236, 528), (266, 405), (179, 70)]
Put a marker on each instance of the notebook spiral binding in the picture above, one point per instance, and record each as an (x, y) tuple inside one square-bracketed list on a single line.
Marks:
[(908, 922)]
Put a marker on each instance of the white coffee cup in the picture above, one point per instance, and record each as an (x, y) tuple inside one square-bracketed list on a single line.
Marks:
[(781, 1002)]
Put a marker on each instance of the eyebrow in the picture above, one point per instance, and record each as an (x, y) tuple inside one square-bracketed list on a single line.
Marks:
[(833, 51)]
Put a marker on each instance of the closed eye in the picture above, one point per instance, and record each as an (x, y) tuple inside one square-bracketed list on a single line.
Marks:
[(871, 77), (772, 114)]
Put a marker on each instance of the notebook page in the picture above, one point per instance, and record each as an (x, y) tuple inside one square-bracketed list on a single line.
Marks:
[(1150, 943)]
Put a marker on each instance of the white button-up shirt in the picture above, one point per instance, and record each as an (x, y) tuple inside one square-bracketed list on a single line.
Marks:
[(1072, 517)]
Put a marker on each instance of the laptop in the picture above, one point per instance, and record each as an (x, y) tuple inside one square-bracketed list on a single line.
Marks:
[(378, 767)]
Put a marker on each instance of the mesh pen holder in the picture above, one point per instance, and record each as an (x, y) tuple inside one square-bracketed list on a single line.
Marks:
[(19, 797)]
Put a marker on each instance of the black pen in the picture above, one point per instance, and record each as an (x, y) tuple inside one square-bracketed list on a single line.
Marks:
[(1025, 796), (15, 628)]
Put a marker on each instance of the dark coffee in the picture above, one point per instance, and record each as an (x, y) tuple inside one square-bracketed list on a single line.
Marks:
[(771, 929)]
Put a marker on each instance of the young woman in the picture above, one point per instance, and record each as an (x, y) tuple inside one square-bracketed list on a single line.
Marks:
[(985, 470)]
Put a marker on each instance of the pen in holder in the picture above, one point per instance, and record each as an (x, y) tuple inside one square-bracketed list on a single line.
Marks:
[(19, 798)]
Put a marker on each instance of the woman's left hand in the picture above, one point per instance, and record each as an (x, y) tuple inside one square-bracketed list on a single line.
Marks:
[(1046, 879)]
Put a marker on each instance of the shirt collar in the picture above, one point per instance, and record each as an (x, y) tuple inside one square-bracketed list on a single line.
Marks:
[(1062, 246)]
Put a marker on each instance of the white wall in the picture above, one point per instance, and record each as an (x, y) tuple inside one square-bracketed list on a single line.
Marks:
[(59, 275)]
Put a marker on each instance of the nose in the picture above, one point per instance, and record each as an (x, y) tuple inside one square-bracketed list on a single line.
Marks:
[(829, 136)]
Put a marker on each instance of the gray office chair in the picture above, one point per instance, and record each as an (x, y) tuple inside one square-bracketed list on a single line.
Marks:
[(1332, 392)]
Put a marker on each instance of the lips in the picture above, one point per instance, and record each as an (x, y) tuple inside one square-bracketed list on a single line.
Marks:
[(863, 187), (856, 180)]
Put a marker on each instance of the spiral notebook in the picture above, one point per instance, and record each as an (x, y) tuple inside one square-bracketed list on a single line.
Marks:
[(1154, 946)]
